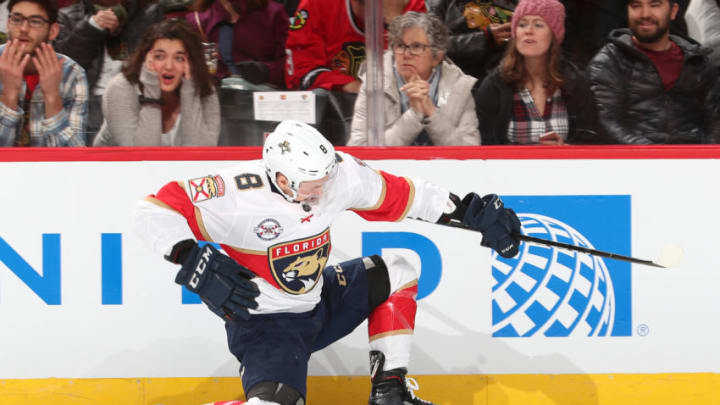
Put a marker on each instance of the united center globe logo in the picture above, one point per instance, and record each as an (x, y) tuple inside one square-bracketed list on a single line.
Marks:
[(551, 291)]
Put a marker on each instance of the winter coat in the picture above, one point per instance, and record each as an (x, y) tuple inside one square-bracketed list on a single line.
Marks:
[(633, 105), (472, 49), (85, 44), (453, 123), (494, 101)]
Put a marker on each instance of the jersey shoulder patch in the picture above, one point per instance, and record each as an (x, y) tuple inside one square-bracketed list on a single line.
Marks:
[(206, 188), (246, 176)]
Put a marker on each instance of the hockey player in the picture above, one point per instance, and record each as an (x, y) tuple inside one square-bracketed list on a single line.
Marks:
[(280, 301)]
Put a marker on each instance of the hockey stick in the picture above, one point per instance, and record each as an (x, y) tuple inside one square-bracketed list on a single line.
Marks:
[(673, 256)]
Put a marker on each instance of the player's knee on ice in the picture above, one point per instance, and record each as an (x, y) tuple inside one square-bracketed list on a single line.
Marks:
[(274, 393)]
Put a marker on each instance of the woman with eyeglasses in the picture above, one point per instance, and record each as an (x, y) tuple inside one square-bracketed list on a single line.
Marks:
[(164, 95), (428, 99)]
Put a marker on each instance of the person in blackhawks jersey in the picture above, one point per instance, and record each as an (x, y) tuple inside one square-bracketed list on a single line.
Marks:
[(326, 42), (279, 300)]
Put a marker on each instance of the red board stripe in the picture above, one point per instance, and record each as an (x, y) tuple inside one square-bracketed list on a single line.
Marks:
[(125, 154)]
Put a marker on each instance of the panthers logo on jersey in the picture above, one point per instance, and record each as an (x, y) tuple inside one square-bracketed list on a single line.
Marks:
[(297, 265)]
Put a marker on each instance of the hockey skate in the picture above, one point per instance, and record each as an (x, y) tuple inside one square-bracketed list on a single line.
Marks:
[(391, 387)]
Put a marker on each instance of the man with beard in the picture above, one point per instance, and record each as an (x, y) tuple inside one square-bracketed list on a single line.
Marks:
[(651, 87), (43, 94)]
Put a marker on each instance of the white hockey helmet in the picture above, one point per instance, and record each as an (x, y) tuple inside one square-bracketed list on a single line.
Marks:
[(300, 153)]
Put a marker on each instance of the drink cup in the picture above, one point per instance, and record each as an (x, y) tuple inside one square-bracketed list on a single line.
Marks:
[(210, 51)]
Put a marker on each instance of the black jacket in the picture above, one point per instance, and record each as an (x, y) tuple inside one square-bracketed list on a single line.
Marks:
[(633, 106), (494, 102), (472, 50), (86, 44)]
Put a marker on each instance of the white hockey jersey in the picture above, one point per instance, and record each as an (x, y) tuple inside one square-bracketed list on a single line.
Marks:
[(285, 246)]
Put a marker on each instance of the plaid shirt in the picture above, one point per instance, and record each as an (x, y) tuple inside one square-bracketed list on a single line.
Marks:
[(527, 125), (66, 128)]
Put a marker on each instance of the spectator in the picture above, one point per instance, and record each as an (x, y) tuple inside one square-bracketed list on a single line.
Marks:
[(479, 31), (164, 95), (428, 99), (230, 23), (43, 94), (100, 35), (536, 96), (678, 26), (703, 18), (589, 22), (326, 43), (652, 87)]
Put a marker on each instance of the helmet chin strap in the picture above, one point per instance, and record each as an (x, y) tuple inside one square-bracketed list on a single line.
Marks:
[(293, 199), (289, 197)]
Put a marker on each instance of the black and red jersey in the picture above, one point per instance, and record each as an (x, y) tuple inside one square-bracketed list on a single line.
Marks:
[(326, 46)]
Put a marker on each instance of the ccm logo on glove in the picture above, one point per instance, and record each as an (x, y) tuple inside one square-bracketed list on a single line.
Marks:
[(222, 283), (200, 269)]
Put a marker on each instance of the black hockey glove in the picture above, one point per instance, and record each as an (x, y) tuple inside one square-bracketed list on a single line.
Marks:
[(498, 224), (222, 283)]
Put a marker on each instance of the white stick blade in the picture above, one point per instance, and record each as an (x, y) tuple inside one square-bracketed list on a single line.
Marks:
[(670, 256)]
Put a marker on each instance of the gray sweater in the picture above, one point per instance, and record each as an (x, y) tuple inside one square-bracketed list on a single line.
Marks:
[(127, 123)]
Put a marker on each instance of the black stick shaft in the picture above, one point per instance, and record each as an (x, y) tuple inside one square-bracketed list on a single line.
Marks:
[(566, 246), (588, 250)]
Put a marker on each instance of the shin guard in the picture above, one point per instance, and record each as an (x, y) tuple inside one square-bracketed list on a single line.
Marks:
[(391, 325)]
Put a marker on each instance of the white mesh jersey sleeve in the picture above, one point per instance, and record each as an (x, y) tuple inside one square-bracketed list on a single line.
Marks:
[(381, 196), (193, 208), (159, 227)]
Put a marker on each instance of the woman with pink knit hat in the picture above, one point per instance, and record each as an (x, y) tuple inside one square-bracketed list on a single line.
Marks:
[(535, 96)]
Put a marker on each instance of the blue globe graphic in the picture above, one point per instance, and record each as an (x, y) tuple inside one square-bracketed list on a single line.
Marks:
[(551, 291)]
